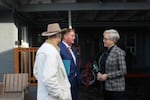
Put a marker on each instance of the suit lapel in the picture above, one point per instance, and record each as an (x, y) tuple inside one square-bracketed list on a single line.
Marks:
[(67, 52), (110, 55), (65, 49)]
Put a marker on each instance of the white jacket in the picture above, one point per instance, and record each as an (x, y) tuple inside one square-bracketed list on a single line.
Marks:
[(52, 79)]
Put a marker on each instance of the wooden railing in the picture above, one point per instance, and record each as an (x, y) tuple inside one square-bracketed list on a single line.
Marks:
[(24, 61)]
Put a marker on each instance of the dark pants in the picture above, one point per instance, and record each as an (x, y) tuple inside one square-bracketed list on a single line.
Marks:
[(111, 95), (74, 88)]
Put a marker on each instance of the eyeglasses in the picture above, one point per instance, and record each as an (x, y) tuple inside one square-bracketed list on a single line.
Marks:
[(105, 39)]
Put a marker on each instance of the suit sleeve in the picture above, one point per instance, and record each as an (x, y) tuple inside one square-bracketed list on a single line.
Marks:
[(49, 76), (121, 66)]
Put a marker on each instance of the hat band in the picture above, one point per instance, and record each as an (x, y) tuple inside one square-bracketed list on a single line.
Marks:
[(54, 32)]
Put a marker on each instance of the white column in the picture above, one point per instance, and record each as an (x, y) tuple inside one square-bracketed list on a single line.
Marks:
[(8, 36), (69, 19)]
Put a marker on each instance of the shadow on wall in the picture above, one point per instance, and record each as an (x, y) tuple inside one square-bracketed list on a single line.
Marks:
[(6, 62)]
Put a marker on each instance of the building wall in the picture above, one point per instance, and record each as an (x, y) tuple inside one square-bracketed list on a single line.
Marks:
[(8, 36), (147, 49), (143, 50)]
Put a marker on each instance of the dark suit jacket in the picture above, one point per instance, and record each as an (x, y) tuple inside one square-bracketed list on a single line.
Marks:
[(66, 55), (115, 67)]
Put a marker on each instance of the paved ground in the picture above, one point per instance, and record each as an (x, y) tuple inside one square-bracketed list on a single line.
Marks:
[(90, 93), (137, 89)]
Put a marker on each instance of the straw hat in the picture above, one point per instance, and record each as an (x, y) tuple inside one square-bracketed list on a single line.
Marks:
[(52, 29)]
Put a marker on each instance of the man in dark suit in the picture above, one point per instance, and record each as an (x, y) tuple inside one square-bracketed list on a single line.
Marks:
[(68, 52)]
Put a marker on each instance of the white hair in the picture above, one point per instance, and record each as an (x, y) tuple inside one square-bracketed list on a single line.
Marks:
[(114, 35)]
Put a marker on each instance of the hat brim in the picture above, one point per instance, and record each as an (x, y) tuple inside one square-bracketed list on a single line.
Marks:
[(52, 33), (48, 33)]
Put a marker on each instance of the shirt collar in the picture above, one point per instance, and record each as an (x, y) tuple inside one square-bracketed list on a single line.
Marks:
[(108, 50), (51, 42), (66, 44)]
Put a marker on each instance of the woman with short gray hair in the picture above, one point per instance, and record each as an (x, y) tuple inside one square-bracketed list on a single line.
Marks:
[(114, 35), (112, 67)]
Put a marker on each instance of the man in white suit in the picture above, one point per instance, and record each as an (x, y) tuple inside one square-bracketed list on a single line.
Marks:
[(49, 69)]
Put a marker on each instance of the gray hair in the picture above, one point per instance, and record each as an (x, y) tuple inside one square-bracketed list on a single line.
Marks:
[(114, 35)]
